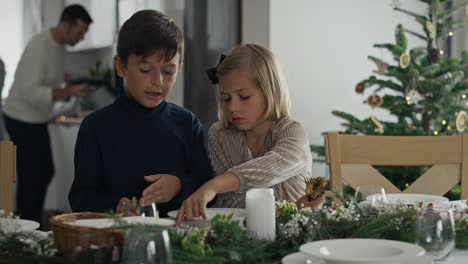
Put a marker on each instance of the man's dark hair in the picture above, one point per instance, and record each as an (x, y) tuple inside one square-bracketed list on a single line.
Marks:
[(148, 31), (72, 13)]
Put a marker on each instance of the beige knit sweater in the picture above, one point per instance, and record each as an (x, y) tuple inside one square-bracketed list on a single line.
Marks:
[(283, 164)]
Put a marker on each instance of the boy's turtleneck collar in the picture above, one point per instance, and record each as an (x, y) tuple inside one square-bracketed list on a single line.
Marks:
[(136, 107)]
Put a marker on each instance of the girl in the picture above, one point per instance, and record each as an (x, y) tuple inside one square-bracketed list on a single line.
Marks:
[(255, 144)]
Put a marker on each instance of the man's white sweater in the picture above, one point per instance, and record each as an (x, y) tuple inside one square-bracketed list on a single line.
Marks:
[(40, 69)]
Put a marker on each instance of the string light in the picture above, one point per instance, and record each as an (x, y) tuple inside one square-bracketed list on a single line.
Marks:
[(436, 133), (463, 96), (441, 52), (449, 128), (444, 122), (406, 185), (450, 33)]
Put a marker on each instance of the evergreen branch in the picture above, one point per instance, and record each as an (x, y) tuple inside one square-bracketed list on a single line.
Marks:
[(426, 1), (400, 38), (345, 116), (394, 49), (384, 84), (320, 150), (416, 34), (417, 16), (448, 13), (443, 29)]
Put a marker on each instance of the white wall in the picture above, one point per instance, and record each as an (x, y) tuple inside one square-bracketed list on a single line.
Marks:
[(11, 45), (323, 48), (256, 22)]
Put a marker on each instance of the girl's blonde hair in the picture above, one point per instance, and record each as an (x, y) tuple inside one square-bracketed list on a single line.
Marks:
[(260, 64)]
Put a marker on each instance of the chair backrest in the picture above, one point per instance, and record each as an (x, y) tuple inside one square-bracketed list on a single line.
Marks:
[(7, 174), (351, 157)]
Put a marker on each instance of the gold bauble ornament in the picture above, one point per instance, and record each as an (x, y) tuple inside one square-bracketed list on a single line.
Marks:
[(360, 87), (375, 100)]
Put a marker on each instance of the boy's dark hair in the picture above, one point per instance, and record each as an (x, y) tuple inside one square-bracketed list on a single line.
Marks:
[(72, 13), (148, 31)]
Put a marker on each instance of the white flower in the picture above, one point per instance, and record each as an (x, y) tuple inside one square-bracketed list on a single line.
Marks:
[(293, 228)]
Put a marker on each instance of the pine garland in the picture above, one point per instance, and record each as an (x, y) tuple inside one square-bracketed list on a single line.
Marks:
[(227, 241)]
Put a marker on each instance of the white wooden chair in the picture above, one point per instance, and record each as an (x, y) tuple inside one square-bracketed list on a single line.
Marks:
[(7, 174), (351, 157)]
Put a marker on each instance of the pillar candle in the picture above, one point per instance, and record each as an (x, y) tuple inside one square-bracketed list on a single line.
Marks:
[(260, 207)]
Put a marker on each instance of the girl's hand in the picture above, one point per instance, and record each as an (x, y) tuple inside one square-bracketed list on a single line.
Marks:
[(195, 206), (305, 201)]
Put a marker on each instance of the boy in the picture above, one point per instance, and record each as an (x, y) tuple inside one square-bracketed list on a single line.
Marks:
[(141, 146)]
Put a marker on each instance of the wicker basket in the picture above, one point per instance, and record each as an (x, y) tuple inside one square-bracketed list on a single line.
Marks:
[(69, 238)]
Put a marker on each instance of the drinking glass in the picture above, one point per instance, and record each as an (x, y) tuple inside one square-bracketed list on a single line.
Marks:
[(435, 231), (370, 195), (147, 245), (148, 210)]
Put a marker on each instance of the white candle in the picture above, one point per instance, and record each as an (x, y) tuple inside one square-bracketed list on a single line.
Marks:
[(260, 206)]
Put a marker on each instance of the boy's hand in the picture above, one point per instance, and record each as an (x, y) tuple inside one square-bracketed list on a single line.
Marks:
[(195, 206), (163, 189), (127, 207)]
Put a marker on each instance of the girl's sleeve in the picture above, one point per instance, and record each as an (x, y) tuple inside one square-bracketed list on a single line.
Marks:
[(289, 156)]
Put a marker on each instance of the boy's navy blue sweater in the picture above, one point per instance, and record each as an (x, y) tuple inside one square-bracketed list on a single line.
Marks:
[(121, 143)]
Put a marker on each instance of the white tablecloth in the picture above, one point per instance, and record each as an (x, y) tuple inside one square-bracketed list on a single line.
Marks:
[(457, 257)]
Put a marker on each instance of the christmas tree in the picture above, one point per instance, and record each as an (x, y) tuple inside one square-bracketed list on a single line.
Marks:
[(423, 88)]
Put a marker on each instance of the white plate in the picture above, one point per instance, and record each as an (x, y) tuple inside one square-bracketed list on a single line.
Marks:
[(301, 258), (364, 251), (239, 213), (457, 205), (412, 198), (9, 225), (149, 221)]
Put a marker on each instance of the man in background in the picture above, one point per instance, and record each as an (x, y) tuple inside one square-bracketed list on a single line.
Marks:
[(37, 84)]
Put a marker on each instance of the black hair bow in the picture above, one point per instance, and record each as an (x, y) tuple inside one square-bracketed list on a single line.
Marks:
[(213, 72)]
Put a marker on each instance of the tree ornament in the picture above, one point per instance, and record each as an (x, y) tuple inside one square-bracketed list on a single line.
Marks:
[(315, 187), (405, 60), (413, 97), (382, 66), (430, 29), (434, 55), (378, 126), (374, 100), (360, 87), (462, 121)]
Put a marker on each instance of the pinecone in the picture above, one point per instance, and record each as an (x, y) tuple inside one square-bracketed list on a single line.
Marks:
[(315, 187)]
